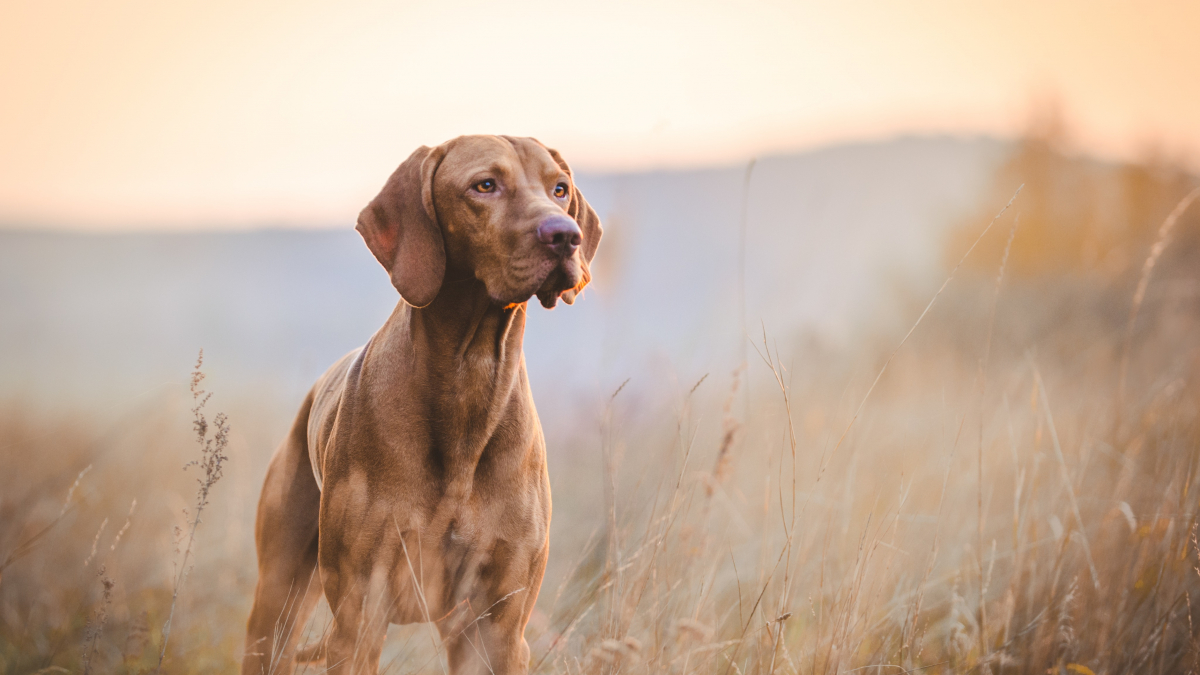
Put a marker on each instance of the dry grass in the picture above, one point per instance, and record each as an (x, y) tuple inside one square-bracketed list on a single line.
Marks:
[(995, 504), (1055, 541)]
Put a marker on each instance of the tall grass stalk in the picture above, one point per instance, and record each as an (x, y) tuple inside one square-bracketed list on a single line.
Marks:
[(921, 318), (211, 464), (27, 545), (1139, 295)]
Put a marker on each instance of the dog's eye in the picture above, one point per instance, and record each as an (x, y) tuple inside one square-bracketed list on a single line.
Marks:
[(560, 190), (485, 186)]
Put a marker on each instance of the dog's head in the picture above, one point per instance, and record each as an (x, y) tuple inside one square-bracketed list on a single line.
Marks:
[(503, 210)]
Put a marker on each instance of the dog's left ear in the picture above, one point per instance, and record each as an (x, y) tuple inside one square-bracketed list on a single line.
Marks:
[(401, 229), (589, 223)]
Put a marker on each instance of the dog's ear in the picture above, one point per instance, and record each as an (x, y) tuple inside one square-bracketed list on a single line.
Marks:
[(589, 223), (400, 227)]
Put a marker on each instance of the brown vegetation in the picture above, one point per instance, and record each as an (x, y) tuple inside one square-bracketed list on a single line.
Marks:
[(1002, 501)]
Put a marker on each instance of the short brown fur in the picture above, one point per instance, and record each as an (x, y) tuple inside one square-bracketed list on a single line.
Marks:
[(413, 486)]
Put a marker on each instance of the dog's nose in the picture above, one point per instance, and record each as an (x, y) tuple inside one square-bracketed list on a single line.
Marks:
[(561, 234)]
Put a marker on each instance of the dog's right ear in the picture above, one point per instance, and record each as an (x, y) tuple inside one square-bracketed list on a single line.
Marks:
[(400, 227)]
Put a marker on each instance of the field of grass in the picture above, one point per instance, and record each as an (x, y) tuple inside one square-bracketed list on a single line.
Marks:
[(1009, 488)]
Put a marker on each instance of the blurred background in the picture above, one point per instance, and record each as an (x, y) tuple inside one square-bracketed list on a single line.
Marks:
[(784, 187)]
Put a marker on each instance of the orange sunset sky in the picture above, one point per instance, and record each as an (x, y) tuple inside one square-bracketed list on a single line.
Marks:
[(136, 114)]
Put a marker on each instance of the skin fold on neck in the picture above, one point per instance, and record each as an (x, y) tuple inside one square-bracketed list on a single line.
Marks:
[(466, 349)]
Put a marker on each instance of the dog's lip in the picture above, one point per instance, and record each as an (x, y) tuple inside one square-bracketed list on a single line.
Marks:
[(531, 285), (560, 280), (540, 281)]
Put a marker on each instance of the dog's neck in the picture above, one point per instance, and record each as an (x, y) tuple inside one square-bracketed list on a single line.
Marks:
[(462, 338), (463, 351), (463, 323)]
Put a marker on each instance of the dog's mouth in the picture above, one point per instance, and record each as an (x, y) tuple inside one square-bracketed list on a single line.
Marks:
[(562, 279), (549, 278), (561, 275)]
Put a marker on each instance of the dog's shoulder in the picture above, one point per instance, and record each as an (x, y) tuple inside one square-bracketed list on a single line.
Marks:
[(326, 397)]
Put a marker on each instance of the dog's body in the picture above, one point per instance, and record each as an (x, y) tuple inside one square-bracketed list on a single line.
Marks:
[(414, 478)]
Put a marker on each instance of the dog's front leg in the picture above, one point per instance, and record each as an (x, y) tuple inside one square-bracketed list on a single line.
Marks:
[(355, 570), (361, 609), (491, 638), (485, 647)]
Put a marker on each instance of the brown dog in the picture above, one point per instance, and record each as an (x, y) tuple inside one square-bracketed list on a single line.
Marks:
[(414, 477)]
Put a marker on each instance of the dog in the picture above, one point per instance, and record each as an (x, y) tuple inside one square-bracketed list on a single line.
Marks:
[(412, 486)]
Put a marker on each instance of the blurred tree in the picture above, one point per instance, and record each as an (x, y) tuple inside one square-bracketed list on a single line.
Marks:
[(1078, 216)]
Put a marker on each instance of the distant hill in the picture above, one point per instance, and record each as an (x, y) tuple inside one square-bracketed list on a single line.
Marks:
[(88, 319)]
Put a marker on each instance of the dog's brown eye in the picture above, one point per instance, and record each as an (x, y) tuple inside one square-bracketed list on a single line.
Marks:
[(485, 186), (560, 190)]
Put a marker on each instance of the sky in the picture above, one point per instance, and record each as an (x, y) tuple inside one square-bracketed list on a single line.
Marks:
[(145, 114)]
